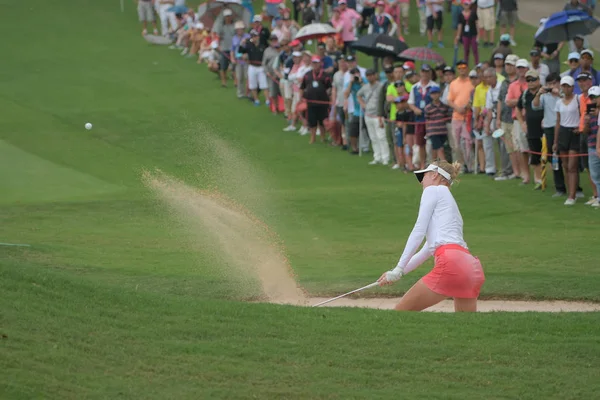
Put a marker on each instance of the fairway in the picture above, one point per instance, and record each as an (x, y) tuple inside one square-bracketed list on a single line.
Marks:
[(126, 292)]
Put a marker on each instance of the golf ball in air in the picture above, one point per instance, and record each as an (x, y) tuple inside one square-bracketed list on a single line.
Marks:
[(88, 126)]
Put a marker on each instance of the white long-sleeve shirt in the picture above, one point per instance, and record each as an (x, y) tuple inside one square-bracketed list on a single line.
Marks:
[(439, 221)]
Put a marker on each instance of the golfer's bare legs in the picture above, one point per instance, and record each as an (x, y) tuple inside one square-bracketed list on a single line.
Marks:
[(465, 305), (418, 298)]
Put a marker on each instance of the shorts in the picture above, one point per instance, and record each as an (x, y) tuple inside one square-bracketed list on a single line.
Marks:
[(145, 11), (437, 141), (456, 273), (420, 135), (273, 88), (399, 140), (508, 137), (435, 22), (341, 115), (519, 139), (487, 18), (568, 140), (353, 126), (410, 126), (535, 146), (224, 62), (508, 18), (316, 115), (404, 9), (256, 78)]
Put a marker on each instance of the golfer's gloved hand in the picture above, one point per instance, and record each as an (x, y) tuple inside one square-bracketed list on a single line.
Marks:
[(390, 277)]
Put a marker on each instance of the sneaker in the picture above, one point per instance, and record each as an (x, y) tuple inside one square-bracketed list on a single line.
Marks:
[(395, 166), (429, 45), (579, 195), (374, 162), (155, 31), (537, 186), (144, 32), (570, 202), (354, 152), (591, 201), (596, 204), (318, 131), (303, 131), (501, 178), (512, 176), (512, 42), (441, 45), (289, 128), (184, 51), (268, 103), (559, 194), (257, 103), (385, 163)]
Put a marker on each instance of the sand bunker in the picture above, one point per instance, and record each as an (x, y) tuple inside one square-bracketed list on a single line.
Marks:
[(251, 250), (483, 305)]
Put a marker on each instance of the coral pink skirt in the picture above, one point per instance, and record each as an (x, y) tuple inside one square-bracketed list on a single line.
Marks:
[(456, 273)]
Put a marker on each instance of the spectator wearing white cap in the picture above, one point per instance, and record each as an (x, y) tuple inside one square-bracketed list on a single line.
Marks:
[(585, 66), (520, 157), (530, 119), (546, 102), (573, 63), (535, 64), (567, 138), (591, 129)]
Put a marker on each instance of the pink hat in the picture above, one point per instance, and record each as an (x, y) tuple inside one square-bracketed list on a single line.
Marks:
[(342, 2), (316, 59), (380, 3)]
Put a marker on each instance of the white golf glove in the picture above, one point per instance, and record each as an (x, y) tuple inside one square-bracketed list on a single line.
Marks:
[(393, 275)]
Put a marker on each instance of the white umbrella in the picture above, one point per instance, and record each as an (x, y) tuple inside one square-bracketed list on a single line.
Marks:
[(315, 31), (157, 39), (229, 1)]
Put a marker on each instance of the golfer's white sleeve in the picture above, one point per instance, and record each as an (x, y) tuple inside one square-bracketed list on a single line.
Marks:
[(429, 200)]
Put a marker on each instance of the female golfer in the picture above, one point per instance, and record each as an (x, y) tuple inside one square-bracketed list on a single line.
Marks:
[(456, 272)]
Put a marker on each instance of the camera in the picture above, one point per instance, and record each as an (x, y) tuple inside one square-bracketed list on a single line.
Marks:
[(356, 78), (590, 108), (399, 84)]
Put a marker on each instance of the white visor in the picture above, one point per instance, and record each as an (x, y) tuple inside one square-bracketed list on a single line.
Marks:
[(434, 168)]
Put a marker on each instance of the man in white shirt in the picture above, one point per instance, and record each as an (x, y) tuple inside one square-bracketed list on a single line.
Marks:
[(535, 64)]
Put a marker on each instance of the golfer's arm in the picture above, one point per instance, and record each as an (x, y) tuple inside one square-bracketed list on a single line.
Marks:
[(428, 202), (418, 258)]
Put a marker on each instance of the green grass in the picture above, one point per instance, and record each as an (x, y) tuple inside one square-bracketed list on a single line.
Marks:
[(116, 299)]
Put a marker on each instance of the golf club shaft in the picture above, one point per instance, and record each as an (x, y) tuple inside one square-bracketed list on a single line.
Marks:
[(346, 294)]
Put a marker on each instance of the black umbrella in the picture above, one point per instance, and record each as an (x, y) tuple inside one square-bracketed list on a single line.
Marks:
[(380, 45)]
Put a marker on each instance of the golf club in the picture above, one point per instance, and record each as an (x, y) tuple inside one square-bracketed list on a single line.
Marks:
[(346, 294)]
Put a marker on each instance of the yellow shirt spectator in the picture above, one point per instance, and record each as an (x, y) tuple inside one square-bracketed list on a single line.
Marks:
[(480, 95), (392, 91)]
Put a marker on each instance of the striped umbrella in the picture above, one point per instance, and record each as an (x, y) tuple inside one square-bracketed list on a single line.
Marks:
[(422, 54)]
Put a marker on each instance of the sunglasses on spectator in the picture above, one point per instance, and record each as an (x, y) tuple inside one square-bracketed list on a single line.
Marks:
[(573, 60), (592, 97), (461, 67), (531, 79)]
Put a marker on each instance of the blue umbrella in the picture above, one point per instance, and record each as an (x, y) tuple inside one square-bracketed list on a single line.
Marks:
[(178, 9), (565, 25)]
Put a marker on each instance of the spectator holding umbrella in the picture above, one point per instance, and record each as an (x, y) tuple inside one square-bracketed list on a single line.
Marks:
[(546, 101), (315, 89), (418, 99), (466, 32)]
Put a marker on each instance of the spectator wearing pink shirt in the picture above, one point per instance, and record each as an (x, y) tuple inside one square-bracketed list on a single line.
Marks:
[(515, 91), (346, 22)]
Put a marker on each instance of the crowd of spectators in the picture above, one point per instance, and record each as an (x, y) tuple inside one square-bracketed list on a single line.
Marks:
[(406, 115)]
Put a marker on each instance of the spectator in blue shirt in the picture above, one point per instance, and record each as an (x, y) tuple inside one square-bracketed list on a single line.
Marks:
[(355, 120), (327, 61)]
